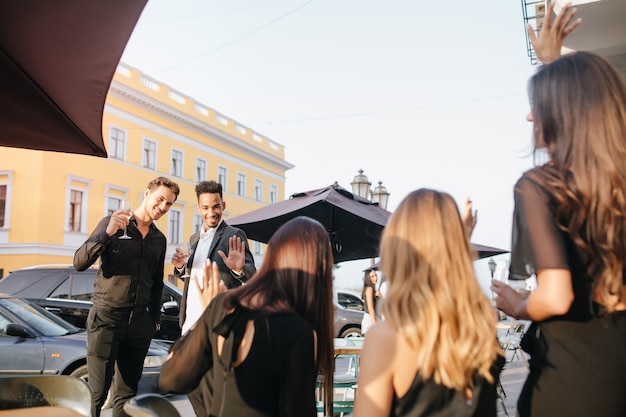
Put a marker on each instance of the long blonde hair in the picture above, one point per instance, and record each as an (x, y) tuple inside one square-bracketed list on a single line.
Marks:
[(434, 300)]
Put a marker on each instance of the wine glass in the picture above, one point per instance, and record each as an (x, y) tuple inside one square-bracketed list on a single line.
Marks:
[(185, 250), (125, 205)]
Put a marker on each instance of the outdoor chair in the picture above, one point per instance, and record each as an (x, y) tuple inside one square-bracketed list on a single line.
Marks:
[(150, 405), (342, 380), (512, 343), (47, 391)]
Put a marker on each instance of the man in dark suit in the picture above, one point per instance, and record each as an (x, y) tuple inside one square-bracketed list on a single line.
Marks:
[(227, 246)]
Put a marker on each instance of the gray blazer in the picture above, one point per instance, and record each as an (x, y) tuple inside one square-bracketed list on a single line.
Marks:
[(220, 242)]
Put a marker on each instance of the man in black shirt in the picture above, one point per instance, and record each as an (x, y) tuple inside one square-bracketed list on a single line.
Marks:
[(127, 293)]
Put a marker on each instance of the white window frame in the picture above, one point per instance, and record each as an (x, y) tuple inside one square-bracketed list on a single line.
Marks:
[(117, 146), (6, 179), (222, 176), (201, 169), (258, 189), (147, 162), (273, 194), (176, 164), (175, 226), (241, 184)]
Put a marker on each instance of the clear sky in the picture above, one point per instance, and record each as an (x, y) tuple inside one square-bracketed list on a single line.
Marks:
[(416, 93)]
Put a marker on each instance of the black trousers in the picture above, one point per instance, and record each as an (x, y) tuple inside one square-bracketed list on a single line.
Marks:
[(117, 343)]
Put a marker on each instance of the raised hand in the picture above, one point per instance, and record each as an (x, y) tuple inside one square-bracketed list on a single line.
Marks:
[(236, 254), (548, 45), (469, 217), (211, 284)]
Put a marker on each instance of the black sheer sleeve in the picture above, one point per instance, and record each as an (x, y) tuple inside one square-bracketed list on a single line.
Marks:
[(537, 242), (192, 354)]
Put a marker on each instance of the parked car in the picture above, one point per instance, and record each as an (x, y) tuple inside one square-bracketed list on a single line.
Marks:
[(349, 299), (34, 341), (66, 292), (347, 322)]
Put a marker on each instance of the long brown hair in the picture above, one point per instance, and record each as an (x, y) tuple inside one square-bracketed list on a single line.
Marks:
[(296, 276), (434, 300), (579, 110)]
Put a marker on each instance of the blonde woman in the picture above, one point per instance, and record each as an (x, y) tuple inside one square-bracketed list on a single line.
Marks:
[(436, 353)]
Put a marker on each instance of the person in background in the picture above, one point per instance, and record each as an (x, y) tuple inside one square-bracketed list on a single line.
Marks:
[(436, 353), (383, 287), (264, 342), (569, 229), (227, 247), (127, 293), (370, 299)]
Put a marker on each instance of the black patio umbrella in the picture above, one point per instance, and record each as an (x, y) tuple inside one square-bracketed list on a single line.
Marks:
[(482, 251), (354, 224), (57, 60), (487, 251)]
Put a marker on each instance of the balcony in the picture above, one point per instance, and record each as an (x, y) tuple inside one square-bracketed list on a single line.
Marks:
[(602, 31)]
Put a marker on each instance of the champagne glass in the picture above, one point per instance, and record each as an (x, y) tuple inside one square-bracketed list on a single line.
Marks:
[(125, 206), (185, 250)]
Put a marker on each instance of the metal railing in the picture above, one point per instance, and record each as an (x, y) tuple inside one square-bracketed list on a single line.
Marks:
[(534, 12)]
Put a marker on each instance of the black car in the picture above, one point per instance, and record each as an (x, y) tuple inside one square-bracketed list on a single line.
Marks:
[(34, 341), (67, 293)]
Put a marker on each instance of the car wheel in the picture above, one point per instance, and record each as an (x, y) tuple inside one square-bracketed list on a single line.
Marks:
[(81, 372), (351, 332)]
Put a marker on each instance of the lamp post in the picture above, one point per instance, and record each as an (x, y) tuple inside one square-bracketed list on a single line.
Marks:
[(361, 187), (492, 269), (380, 195)]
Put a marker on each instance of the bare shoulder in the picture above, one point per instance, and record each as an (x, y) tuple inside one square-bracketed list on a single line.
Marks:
[(381, 338)]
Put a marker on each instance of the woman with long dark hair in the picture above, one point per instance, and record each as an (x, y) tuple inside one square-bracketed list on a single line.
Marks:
[(265, 342), (370, 300), (570, 231)]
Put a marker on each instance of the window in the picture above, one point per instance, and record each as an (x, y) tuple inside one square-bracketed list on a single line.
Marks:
[(174, 227), (200, 170), (113, 204), (117, 142), (258, 190), (197, 223), (76, 208), (221, 176), (77, 286), (149, 154), (3, 203), (241, 184), (177, 163), (6, 181), (273, 194)]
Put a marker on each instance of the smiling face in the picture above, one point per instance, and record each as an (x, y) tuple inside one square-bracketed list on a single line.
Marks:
[(158, 201), (210, 206)]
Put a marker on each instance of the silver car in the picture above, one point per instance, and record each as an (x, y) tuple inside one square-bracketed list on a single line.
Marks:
[(34, 341)]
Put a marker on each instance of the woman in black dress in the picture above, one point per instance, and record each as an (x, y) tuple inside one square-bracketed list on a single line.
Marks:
[(570, 231), (263, 343), (436, 353)]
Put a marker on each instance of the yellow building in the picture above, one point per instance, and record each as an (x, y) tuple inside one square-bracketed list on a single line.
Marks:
[(50, 201)]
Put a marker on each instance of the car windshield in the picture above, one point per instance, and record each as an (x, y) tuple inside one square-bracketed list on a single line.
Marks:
[(46, 323)]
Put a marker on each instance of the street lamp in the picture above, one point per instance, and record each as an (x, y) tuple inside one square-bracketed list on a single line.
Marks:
[(492, 269), (380, 195), (361, 185)]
